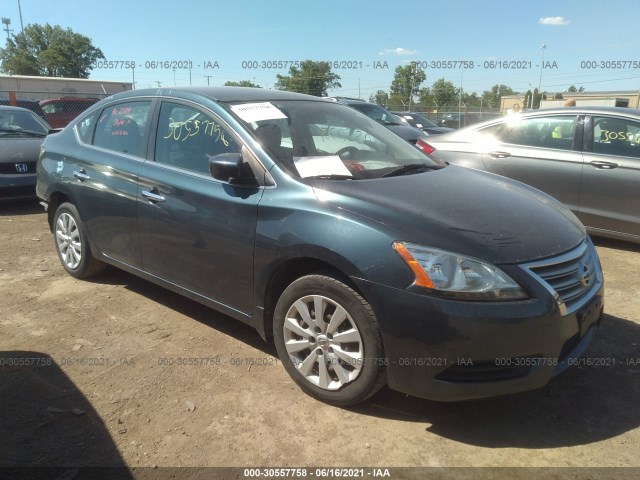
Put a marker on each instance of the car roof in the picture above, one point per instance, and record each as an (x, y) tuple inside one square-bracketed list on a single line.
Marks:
[(5, 108), (220, 94), (69, 99), (582, 109)]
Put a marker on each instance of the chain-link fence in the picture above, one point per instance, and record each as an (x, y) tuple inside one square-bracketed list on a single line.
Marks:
[(57, 108), (449, 116)]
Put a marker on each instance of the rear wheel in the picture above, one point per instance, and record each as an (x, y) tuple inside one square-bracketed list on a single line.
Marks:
[(328, 339), (71, 243)]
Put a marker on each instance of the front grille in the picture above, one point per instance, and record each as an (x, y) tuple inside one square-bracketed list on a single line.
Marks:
[(571, 276), (18, 192), (481, 372), (10, 168)]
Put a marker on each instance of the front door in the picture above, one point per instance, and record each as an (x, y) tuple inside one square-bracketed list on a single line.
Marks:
[(197, 232)]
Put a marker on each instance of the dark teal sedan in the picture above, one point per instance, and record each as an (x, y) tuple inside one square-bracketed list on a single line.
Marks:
[(364, 261)]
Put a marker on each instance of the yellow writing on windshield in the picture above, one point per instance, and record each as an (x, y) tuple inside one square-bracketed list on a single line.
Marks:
[(180, 131)]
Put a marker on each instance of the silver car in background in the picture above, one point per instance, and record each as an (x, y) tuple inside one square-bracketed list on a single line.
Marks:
[(586, 157)]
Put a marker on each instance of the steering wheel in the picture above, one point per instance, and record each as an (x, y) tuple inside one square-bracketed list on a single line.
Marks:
[(352, 151)]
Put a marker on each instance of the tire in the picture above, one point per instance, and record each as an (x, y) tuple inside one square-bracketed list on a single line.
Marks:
[(71, 243), (339, 359)]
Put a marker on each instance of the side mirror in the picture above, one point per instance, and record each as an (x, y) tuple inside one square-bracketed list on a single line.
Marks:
[(226, 167)]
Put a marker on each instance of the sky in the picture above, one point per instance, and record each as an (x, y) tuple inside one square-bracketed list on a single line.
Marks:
[(588, 43)]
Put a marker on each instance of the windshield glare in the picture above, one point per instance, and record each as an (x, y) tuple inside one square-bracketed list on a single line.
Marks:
[(329, 140), (420, 119), (18, 121)]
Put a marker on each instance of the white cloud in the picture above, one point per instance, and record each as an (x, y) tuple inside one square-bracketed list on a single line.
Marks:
[(397, 51), (554, 21)]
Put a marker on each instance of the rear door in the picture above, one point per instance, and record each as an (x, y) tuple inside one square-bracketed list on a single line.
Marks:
[(104, 176), (196, 232), (610, 199), (541, 151)]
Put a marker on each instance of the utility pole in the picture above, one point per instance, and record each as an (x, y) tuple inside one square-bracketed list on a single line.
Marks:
[(20, 10), (544, 47), (208, 77), (159, 83), (6, 22), (413, 80)]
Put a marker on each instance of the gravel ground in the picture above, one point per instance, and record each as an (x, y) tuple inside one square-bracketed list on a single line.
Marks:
[(105, 387)]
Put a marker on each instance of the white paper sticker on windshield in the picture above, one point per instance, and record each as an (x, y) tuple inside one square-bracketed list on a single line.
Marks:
[(320, 166), (254, 112)]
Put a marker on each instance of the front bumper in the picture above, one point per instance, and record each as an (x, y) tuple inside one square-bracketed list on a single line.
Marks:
[(17, 186), (448, 350)]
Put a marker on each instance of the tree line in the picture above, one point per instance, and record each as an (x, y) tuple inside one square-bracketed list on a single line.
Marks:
[(45, 50)]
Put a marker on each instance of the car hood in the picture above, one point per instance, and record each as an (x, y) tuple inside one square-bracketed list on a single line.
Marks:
[(20, 149), (462, 210), (437, 130)]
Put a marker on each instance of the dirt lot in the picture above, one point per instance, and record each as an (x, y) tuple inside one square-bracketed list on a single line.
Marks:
[(106, 393)]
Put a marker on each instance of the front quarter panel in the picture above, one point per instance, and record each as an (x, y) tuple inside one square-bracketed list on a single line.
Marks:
[(294, 223)]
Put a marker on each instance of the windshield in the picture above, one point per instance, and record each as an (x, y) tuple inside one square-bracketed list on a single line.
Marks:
[(312, 139), (418, 120), (376, 113), (21, 122)]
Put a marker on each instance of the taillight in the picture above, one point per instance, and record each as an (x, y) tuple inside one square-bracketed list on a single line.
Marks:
[(424, 147)]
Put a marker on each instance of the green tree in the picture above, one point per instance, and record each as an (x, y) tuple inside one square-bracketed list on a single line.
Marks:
[(470, 100), (45, 50), (425, 98), (492, 97), (241, 83), (380, 97), (313, 78), (444, 92), (406, 83)]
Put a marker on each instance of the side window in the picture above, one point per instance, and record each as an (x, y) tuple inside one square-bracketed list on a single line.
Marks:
[(86, 127), (187, 138), (615, 136), (546, 132), (121, 127)]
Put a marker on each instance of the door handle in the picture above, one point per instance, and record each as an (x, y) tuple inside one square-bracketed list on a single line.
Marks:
[(153, 195), (499, 154), (604, 165), (81, 175)]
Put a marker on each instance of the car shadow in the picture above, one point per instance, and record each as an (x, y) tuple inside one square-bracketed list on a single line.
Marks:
[(50, 429), (21, 207), (616, 244), (185, 306), (585, 404)]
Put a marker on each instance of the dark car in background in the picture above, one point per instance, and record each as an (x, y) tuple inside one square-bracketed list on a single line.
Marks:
[(459, 120), (414, 136), (28, 103), (58, 112), (586, 157), (418, 120), (21, 135), (365, 261)]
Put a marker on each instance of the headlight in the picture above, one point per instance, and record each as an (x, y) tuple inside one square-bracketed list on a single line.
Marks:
[(455, 275)]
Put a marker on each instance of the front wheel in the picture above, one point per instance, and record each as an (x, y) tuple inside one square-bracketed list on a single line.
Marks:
[(328, 339), (72, 245)]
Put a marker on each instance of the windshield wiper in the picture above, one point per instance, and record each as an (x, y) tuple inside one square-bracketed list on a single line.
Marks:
[(403, 170), (331, 177), (21, 132)]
